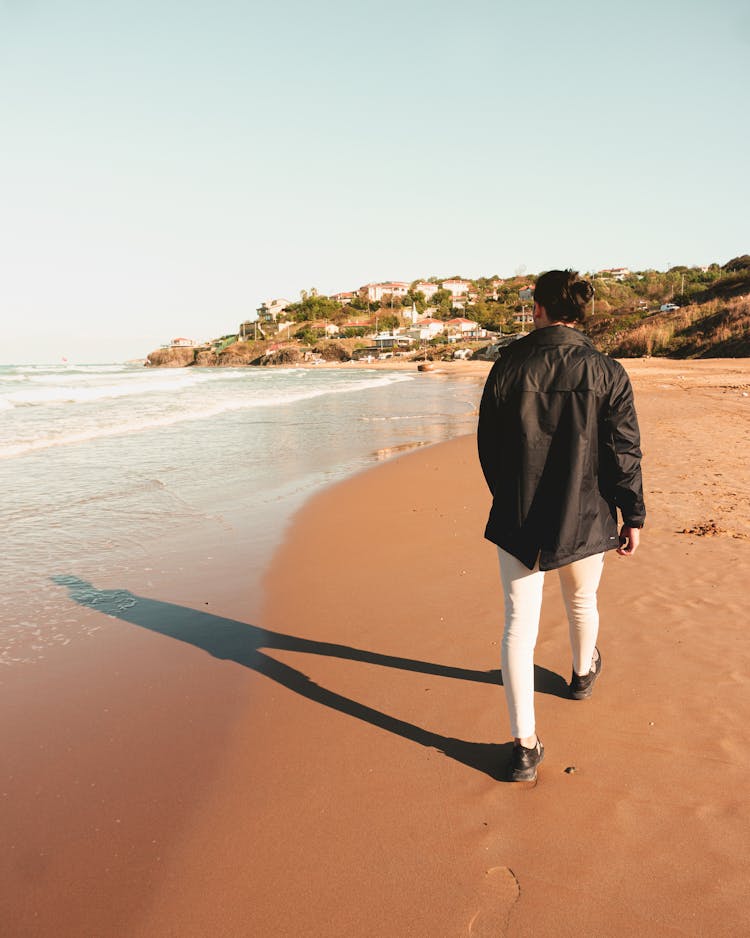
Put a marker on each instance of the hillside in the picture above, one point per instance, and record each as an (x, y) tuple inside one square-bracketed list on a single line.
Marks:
[(711, 317), (715, 324)]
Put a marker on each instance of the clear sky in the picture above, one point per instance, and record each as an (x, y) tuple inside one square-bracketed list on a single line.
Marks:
[(165, 165)]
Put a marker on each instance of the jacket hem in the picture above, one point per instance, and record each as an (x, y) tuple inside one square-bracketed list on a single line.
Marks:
[(558, 562)]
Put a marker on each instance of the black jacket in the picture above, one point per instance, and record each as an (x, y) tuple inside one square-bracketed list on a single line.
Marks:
[(560, 449)]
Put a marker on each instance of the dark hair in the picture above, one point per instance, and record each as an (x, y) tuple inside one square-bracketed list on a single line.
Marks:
[(563, 295)]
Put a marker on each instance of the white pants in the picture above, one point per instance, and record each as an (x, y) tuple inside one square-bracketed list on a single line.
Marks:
[(522, 587)]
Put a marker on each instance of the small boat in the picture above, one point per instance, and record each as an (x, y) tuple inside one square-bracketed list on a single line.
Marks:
[(426, 366)]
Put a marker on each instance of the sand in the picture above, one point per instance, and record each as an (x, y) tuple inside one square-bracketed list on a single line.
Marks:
[(334, 766)]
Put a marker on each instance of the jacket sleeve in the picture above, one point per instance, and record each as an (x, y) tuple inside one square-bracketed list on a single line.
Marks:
[(488, 430), (626, 444)]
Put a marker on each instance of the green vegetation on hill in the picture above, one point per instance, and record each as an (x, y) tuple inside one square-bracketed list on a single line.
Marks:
[(713, 318), (716, 328)]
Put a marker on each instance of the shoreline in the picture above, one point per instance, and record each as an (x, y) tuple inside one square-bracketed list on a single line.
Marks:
[(328, 767)]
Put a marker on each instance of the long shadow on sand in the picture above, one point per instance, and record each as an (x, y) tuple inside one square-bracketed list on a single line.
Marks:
[(242, 643)]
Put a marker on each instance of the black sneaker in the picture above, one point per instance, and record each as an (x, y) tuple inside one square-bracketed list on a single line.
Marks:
[(524, 762), (582, 686)]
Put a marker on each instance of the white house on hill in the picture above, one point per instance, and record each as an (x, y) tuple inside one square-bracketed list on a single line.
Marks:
[(614, 273), (428, 289), (376, 291), (270, 310), (457, 287), (343, 298)]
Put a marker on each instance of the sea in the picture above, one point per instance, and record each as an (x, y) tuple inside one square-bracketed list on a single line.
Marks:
[(117, 474)]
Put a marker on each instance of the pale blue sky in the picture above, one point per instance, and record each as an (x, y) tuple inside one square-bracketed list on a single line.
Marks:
[(166, 166)]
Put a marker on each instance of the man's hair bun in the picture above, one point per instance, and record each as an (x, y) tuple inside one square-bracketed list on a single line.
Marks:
[(582, 291), (563, 295)]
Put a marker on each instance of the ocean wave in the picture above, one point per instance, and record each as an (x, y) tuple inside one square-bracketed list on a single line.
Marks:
[(78, 394), (79, 377), (224, 406), (75, 387), (68, 366)]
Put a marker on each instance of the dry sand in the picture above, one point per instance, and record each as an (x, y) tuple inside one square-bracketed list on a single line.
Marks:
[(338, 774)]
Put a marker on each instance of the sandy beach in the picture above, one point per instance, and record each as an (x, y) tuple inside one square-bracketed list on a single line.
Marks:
[(332, 765)]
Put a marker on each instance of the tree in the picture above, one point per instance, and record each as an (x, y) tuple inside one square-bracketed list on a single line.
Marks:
[(308, 336), (313, 306), (738, 263), (390, 301), (486, 314), (414, 298), (388, 321), (443, 301), (360, 301)]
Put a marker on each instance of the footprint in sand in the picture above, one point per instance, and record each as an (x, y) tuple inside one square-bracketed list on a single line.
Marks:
[(500, 892)]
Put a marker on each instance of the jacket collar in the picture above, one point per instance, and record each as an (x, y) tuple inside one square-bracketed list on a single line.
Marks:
[(559, 335)]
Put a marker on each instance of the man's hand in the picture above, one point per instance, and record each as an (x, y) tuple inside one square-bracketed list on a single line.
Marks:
[(629, 541)]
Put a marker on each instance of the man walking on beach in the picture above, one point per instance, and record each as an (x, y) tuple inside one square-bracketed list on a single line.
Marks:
[(559, 446)]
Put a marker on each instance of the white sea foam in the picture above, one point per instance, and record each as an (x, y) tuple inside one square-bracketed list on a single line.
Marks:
[(79, 377), (72, 394), (224, 405)]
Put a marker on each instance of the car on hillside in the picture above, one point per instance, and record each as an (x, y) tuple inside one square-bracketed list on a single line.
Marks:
[(667, 307)]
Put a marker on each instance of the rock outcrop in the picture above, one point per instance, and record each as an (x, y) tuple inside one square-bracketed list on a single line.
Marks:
[(242, 353), (171, 357)]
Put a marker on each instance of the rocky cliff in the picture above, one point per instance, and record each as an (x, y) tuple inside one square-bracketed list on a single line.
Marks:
[(171, 357), (233, 356), (239, 354)]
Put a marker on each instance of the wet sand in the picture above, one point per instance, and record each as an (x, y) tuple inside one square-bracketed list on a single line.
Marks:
[(333, 764)]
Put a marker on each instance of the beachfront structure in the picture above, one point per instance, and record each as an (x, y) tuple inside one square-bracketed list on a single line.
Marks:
[(456, 287), (343, 298), (426, 288), (465, 328), (365, 354), (183, 343), (270, 310), (376, 291), (391, 340)]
